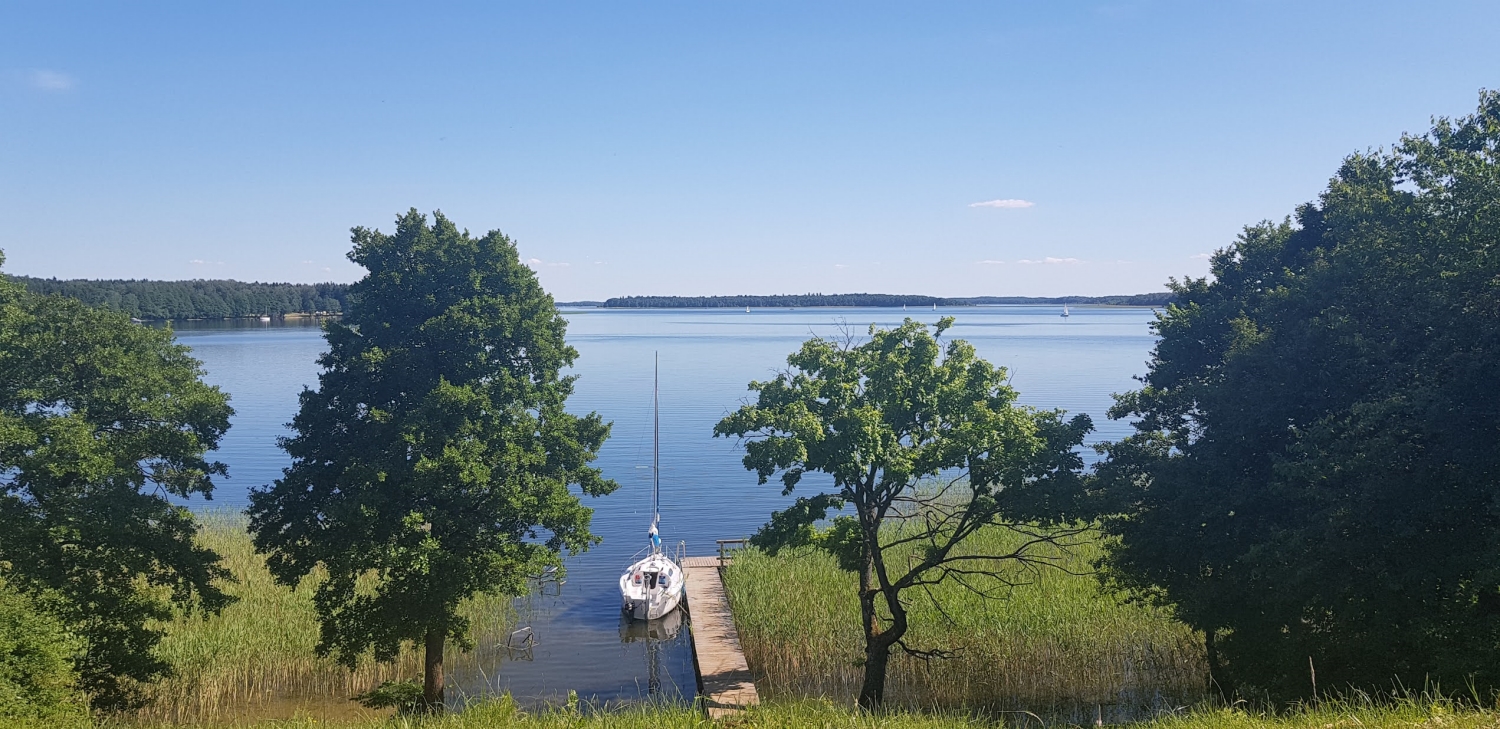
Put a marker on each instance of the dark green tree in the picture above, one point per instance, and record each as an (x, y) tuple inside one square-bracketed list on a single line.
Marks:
[(883, 420), (1315, 472), (101, 422), (435, 457)]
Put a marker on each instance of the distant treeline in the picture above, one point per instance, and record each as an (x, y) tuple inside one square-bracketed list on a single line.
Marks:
[(1161, 299), (780, 300), (225, 299), (199, 299), (708, 302)]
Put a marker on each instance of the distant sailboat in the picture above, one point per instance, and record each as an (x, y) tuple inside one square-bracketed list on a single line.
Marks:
[(747, 310), (1065, 310), (934, 307)]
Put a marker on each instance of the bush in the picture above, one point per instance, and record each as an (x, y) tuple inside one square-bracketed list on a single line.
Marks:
[(36, 661)]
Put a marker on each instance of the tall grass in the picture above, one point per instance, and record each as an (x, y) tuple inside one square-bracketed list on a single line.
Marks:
[(1412, 712), (1052, 645), (257, 657)]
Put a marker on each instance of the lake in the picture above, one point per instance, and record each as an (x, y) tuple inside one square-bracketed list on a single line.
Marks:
[(708, 356)]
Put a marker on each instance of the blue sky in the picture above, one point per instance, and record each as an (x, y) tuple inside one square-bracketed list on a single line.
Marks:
[(709, 147)]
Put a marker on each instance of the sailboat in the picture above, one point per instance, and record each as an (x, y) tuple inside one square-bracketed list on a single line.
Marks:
[(652, 586), (1065, 310)]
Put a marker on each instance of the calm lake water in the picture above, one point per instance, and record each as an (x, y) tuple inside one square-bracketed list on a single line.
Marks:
[(707, 358)]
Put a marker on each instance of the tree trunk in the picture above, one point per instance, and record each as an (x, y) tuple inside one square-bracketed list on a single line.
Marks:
[(872, 691), (1211, 652), (432, 674), (878, 638)]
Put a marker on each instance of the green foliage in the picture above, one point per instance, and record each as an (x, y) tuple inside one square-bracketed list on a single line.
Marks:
[(1314, 474), (879, 417), (1355, 712), (37, 679), (435, 459), (101, 421), (403, 696), (197, 299), (1054, 644), (258, 656)]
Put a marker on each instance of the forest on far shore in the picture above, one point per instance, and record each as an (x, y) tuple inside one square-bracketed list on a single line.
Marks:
[(199, 298), (789, 300), (228, 299)]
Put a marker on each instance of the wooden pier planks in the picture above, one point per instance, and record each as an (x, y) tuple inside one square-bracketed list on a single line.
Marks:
[(724, 679)]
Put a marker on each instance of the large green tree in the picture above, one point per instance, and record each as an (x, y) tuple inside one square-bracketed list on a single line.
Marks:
[(927, 445), (101, 423), (1315, 477), (435, 458)]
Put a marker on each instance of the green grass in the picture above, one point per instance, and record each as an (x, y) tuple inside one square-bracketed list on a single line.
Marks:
[(1054, 645), (1360, 713), (257, 657)]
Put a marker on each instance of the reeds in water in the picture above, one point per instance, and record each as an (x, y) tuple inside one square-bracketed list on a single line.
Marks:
[(1052, 644), (257, 657)]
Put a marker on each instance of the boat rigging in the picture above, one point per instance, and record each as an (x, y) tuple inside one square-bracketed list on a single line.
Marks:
[(653, 586)]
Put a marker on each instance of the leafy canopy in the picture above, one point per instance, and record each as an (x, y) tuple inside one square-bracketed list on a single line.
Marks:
[(880, 418), (435, 458), (101, 421), (1315, 467)]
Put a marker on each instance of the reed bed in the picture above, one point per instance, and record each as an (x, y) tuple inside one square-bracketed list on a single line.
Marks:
[(1053, 644), (257, 657)]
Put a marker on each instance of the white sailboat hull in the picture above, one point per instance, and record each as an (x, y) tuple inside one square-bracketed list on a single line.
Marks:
[(651, 588)]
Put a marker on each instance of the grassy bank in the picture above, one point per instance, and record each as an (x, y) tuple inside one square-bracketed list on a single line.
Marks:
[(1054, 645), (257, 659), (1404, 714)]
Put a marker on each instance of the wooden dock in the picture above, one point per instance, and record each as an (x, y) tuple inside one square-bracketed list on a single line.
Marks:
[(724, 679)]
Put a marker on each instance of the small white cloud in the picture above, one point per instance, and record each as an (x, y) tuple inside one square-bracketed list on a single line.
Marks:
[(326, 269), (840, 265), (991, 262), (1008, 204), (46, 80), (201, 262), (598, 263), (308, 263), (196, 261), (1202, 256), (535, 262), (1049, 260)]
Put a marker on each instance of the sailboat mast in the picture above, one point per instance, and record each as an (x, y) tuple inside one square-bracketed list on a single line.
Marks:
[(656, 441)]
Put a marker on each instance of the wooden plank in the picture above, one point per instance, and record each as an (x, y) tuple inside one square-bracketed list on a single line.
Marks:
[(724, 679)]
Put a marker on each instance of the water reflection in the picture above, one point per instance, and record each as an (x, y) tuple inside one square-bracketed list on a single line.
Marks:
[(551, 649), (653, 634)]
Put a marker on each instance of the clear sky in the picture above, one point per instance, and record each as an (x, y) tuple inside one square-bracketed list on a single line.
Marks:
[(706, 147)]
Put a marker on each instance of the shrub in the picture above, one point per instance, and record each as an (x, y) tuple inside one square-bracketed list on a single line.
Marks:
[(37, 679)]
